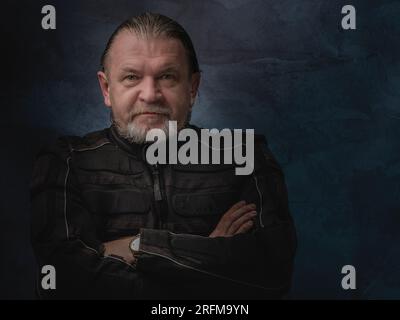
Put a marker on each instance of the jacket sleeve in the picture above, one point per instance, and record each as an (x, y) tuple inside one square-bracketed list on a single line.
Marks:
[(257, 264), (64, 235)]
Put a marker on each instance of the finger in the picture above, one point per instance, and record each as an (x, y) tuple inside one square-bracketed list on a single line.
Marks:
[(239, 212), (226, 219), (236, 206), (239, 222), (232, 214), (242, 220), (245, 227), (229, 219), (214, 234)]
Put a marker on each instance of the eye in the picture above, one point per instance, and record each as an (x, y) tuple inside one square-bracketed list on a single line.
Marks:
[(132, 77), (167, 76)]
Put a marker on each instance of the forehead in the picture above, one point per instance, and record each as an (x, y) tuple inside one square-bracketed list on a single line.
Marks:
[(140, 51)]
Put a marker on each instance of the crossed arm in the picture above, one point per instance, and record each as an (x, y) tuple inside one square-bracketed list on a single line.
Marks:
[(239, 252), (238, 219)]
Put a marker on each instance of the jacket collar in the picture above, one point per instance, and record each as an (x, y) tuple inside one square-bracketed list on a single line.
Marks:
[(135, 149)]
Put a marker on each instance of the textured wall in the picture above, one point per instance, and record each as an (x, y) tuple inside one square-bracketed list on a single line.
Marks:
[(327, 99)]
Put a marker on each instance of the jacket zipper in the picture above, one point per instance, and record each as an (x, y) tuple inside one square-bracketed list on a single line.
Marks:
[(156, 183), (158, 197)]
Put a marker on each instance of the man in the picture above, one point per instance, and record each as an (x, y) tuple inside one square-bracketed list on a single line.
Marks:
[(114, 226)]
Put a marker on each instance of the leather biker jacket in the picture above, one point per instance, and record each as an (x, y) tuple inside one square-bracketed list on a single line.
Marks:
[(92, 189)]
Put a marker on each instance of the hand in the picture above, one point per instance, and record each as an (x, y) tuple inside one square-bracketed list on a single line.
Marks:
[(120, 247), (238, 219)]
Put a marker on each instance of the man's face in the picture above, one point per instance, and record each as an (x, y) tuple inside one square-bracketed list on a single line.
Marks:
[(147, 82)]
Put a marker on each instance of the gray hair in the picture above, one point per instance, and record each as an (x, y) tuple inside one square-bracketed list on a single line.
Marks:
[(157, 25)]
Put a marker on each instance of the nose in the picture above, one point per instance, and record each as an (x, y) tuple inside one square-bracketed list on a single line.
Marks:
[(149, 91)]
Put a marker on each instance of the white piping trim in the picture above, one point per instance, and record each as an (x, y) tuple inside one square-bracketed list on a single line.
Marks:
[(120, 260), (87, 247), (65, 198), (162, 256), (66, 178), (105, 257), (65, 204), (89, 149), (261, 202), (210, 273)]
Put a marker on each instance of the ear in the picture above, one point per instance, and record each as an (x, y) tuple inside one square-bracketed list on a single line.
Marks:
[(105, 87), (194, 88)]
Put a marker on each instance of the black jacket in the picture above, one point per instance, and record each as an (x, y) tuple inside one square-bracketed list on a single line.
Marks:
[(93, 189)]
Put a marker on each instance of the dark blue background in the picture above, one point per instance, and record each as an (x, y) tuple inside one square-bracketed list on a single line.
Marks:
[(327, 99)]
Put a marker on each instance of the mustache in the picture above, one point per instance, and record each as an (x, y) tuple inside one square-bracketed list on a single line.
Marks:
[(151, 108)]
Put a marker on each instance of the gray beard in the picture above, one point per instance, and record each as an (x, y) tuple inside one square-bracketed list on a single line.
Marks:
[(137, 134)]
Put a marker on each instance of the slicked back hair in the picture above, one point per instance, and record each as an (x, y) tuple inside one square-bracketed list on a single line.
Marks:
[(155, 25)]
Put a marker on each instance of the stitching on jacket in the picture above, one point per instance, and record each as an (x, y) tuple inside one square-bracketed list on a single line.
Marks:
[(261, 201)]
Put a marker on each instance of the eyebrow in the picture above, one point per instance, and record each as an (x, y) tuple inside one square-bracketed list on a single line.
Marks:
[(167, 68), (129, 69)]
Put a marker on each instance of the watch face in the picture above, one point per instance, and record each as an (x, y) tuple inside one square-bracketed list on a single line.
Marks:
[(135, 244)]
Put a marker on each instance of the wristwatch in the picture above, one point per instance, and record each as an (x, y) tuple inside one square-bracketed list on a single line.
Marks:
[(134, 245)]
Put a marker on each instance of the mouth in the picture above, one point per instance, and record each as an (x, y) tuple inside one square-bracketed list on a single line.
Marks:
[(150, 117), (152, 114)]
